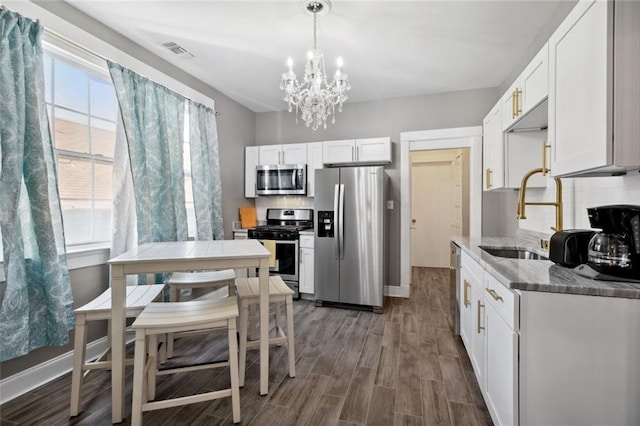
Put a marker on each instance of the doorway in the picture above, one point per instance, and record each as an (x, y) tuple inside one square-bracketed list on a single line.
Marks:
[(461, 137), (439, 204)]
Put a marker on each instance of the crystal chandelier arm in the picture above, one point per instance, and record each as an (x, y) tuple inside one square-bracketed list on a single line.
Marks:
[(314, 96)]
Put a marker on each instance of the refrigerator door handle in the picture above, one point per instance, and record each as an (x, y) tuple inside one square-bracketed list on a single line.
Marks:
[(341, 224), (336, 219)]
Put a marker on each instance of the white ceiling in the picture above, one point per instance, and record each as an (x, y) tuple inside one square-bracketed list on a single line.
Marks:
[(390, 48)]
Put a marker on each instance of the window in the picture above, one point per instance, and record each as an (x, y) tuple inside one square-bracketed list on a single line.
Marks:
[(82, 109)]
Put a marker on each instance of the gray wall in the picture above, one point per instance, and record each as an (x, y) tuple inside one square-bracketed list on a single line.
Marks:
[(236, 129), (384, 118), (86, 283)]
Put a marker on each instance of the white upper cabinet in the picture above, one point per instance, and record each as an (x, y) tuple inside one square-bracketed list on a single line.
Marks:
[(336, 152), (314, 162), (357, 151), (373, 150), (270, 154), (250, 162), (492, 149), (594, 101), (295, 153), (528, 91)]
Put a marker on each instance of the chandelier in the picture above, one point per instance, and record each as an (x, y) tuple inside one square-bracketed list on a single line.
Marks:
[(314, 97)]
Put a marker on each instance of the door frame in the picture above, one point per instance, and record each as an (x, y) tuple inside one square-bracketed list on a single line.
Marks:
[(461, 137), (428, 163)]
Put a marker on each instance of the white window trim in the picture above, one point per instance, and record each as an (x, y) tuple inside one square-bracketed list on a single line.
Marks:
[(82, 256)]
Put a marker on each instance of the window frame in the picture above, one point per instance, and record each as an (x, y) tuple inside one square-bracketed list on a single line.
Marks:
[(94, 67)]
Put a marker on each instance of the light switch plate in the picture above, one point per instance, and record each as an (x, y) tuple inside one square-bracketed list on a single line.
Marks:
[(389, 204)]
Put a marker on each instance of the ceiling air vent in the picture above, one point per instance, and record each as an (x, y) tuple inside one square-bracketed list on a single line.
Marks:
[(177, 49)]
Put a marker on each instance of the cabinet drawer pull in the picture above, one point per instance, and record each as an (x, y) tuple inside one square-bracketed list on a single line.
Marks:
[(466, 293), (488, 174), (480, 306), (493, 294)]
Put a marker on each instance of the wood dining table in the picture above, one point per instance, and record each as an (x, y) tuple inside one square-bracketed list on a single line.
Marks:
[(182, 256)]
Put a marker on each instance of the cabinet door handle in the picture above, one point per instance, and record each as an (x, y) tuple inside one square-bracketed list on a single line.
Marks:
[(513, 104), (488, 173), (353, 153), (466, 293), (495, 295), (480, 306), (516, 103), (545, 146)]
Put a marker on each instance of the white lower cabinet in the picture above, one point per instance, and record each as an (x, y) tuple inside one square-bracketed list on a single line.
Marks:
[(488, 316), (545, 358), (471, 314), (306, 269), (478, 355), (501, 377)]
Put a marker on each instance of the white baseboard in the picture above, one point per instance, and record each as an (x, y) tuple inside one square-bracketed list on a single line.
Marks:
[(38, 375), (397, 291)]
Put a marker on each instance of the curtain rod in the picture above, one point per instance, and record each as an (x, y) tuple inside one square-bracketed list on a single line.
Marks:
[(65, 40)]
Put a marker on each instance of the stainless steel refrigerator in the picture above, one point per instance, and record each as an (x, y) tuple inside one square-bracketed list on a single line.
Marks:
[(350, 261)]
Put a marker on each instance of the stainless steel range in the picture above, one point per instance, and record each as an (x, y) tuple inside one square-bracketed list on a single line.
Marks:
[(283, 227)]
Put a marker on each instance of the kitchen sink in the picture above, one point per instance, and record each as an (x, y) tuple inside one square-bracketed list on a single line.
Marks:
[(513, 253)]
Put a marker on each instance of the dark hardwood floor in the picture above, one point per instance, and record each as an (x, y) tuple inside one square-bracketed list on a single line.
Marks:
[(402, 367)]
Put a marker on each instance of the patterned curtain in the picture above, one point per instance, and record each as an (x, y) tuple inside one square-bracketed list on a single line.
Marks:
[(153, 118), (205, 172), (37, 304)]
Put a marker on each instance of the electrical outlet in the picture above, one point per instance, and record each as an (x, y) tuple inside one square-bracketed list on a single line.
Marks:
[(544, 244), (389, 204)]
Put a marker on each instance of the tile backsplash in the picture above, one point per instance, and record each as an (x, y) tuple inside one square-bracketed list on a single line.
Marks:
[(579, 194)]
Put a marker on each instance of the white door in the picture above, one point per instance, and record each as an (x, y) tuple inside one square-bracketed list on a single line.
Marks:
[(431, 205)]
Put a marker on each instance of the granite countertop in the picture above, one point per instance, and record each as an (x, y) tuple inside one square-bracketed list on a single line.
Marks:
[(539, 275), (307, 232)]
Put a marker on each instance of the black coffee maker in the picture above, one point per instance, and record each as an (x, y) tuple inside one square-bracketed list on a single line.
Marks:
[(615, 251)]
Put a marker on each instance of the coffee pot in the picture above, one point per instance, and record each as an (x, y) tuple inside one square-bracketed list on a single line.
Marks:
[(615, 251)]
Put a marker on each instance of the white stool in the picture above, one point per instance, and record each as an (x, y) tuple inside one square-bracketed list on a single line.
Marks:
[(248, 291), (138, 297), (198, 280), (161, 318)]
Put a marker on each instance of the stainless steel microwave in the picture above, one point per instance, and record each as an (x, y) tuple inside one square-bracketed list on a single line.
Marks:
[(281, 179)]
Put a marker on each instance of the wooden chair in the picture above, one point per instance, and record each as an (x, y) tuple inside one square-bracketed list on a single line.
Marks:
[(138, 297), (195, 316), (210, 280), (248, 292)]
